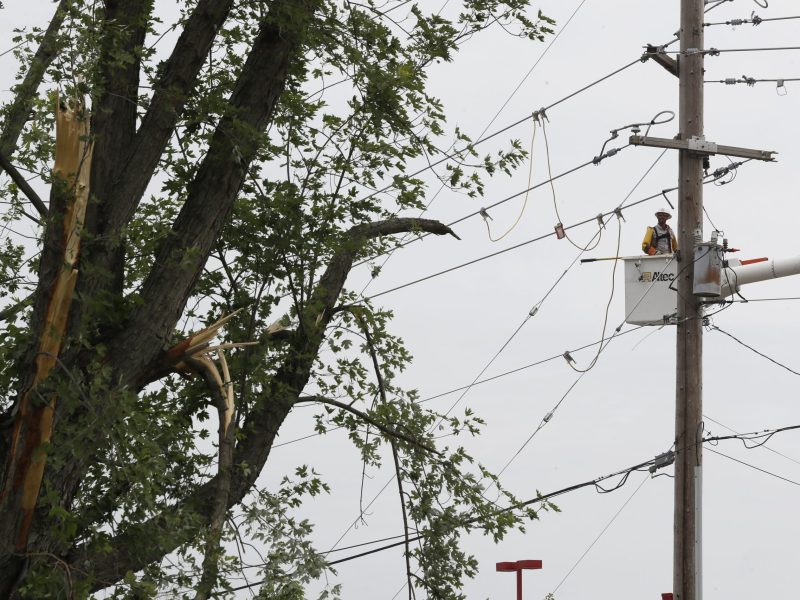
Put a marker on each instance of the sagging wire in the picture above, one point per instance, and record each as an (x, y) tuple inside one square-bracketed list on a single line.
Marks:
[(716, 3), (486, 217), (763, 445), (567, 356), (651, 465)]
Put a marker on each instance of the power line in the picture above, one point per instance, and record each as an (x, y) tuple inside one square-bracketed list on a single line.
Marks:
[(772, 360), (597, 539), (748, 300), (721, 172), (624, 473), (754, 20), (762, 445), (488, 137), (537, 500), (750, 81), (717, 51), (746, 464), (487, 380)]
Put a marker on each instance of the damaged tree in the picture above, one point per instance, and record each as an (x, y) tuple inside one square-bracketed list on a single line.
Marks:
[(233, 188)]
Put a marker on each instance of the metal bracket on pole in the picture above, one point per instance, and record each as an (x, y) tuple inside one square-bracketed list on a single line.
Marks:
[(701, 147)]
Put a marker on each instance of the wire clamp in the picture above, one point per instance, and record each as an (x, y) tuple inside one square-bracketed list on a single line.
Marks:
[(756, 20), (532, 312), (618, 212), (712, 52), (750, 81), (486, 216), (662, 460), (568, 358), (600, 222), (547, 417), (540, 116)]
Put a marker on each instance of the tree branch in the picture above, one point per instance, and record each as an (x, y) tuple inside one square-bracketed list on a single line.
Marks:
[(23, 186), (222, 391), (368, 419), (259, 429), (166, 106), (395, 456), (180, 259), (20, 109)]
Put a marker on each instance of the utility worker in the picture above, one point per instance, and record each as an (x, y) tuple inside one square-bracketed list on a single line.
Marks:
[(660, 239)]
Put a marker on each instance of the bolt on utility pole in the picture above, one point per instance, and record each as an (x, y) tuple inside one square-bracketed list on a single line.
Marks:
[(687, 574)]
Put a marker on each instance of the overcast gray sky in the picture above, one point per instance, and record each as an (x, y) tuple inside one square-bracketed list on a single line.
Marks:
[(622, 411)]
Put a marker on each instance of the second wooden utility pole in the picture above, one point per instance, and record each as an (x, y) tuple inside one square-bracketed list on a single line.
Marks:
[(687, 574)]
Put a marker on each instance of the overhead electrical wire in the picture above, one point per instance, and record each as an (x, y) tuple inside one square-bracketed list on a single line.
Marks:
[(718, 51), (537, 500), (755, 20), (748, 300), (481, 138), (712, 178), (479, 382), (737, 340), (602, 532), (746, 464), (762, 445), (623, 472), (488, 137), (650, 465), (750, 80)]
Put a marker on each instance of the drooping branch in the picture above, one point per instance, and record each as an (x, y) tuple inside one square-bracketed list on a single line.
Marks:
[(273, 405), (20, 109), (395, 456), (392, 433)]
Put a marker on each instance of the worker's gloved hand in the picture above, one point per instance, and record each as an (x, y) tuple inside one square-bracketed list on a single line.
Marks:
[(651, 251)]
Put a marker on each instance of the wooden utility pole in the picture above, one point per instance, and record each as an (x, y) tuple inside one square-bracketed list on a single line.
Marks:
[(687, 574)]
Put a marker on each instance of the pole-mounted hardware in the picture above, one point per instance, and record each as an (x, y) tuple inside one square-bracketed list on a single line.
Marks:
[(701, 147)]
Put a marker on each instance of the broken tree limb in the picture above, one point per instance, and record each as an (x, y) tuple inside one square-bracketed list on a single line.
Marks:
[(33, 421)]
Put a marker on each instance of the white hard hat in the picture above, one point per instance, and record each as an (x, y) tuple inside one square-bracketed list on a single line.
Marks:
[(665, 211)]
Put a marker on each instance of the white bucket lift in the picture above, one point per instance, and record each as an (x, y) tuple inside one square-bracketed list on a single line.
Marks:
[(650, 294)]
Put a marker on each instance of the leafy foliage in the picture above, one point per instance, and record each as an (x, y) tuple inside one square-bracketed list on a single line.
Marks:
[(134, 460)]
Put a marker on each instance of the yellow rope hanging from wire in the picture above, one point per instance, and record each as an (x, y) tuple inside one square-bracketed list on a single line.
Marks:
[(525, 201)]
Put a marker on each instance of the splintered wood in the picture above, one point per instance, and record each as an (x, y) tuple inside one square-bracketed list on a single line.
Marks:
[(33, 425)]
